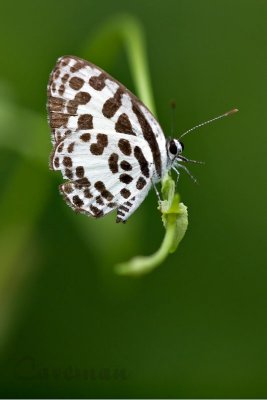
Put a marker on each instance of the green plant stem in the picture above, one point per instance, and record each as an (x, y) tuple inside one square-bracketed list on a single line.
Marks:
[(174, 217), (141, 264)]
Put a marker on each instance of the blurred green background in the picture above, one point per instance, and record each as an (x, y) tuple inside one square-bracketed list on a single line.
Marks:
[(196, 326)]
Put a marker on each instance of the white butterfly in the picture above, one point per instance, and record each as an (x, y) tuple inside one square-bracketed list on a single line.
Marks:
[(107, 144)]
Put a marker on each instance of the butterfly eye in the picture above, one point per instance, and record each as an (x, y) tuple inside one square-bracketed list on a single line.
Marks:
[(173, 147)]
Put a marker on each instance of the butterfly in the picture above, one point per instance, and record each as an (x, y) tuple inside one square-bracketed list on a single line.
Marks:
[(107, 144)]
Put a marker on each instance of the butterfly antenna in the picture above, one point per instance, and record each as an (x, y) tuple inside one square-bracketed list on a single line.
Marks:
[(233, 111)]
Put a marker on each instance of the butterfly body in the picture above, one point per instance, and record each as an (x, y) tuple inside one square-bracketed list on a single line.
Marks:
[(107, 144)]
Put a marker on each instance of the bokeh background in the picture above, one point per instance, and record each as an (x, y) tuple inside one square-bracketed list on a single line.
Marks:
[(197, 325)]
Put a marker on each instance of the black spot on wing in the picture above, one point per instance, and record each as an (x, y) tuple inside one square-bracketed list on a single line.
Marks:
[(149, 137), (142, 161)]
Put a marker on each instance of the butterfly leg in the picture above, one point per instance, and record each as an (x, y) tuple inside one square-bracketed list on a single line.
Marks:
[(157, 192), (187, 171), (177, 172)]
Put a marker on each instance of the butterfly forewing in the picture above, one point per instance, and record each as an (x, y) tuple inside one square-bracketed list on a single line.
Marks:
[(106, 143)]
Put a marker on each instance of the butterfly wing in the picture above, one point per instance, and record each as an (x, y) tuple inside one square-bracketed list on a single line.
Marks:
[(105, 171), (84, 103)]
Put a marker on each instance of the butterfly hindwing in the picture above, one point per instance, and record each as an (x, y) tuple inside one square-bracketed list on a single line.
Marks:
[(104, 171)]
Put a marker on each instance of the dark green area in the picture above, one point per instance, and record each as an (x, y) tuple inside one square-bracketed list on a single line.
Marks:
[(197, 326)]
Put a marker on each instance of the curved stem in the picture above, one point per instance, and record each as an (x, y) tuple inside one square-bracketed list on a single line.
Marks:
[(174, 216)]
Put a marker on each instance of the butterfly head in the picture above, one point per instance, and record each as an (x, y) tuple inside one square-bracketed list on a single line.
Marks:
[(174, 149)]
